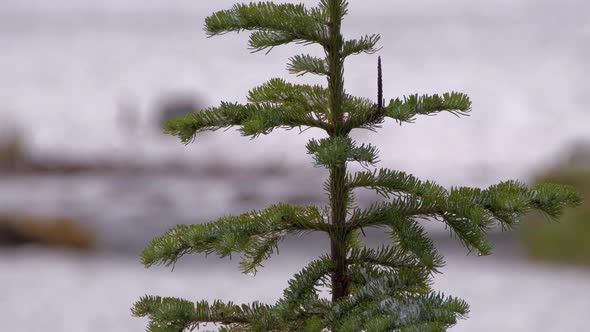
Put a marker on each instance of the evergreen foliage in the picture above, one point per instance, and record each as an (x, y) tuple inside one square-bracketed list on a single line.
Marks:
[(384, 289)]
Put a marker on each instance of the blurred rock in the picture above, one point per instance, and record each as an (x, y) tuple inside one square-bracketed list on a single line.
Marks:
[(177, 106), (58, 232), (579, 154), (12, 150)]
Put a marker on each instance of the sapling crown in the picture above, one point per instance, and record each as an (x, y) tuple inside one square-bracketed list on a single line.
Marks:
[(383, 289)]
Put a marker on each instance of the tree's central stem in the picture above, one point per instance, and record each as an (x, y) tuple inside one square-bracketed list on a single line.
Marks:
[(338, 238), (338, 190)]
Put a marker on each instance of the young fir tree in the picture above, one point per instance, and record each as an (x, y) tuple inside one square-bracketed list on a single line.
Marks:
[(384, 289)]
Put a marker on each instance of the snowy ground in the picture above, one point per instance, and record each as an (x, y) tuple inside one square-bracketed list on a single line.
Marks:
[(65, 292)]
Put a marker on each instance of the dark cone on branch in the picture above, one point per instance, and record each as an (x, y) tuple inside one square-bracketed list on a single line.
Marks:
[(380, 100)]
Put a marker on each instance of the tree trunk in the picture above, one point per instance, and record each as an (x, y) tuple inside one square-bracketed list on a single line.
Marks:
[(338, 190)]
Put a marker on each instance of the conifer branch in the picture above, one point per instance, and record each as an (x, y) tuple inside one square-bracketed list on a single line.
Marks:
[(361, 113), (469, 212), (407, 109), (385, 258), (361, 274), (390, 183), (273, 24), (269, 117), (336, 151), (253, 234), (173, 315), (336, 9), (550, 198), (378, 297), (295, 316), (304, 284), (267, 40), (405, 281), (365, 44), (252, 119), (224, 116), (406, 232), (366, 114), (313, 98), (388, 311), (304, 64)]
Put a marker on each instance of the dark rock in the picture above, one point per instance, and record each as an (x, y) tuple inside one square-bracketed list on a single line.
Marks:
[(10, 236), (12, 151), (50, 232), (177, 106), (579, 154)]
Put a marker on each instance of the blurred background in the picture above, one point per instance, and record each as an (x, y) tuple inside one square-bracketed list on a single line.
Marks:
[(87, 178)]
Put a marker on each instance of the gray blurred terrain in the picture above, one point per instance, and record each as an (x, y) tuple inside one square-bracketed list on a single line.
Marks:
[(84, 84)]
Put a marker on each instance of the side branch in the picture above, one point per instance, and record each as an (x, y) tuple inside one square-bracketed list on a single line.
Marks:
[(253, 120), (365, 114), (172, 314), (304, 64), (365, 44), (390, 183), (379, 307), (386, 259), (336, 151), (303, 286), (273, 24), (255, 235), (407, 109), (406, 232), (469, 212)]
